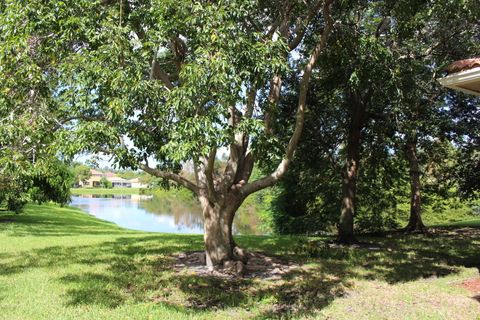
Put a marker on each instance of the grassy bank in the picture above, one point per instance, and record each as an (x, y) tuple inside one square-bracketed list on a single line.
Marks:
[(79, 191), (60, 263), (463, 224)]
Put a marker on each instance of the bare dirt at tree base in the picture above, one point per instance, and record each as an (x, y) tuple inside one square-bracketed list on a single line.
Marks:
[(258, 266), (472, 285)]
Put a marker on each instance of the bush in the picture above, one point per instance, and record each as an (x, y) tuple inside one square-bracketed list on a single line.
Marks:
[(104, 183), (42, 181), (51, 182)]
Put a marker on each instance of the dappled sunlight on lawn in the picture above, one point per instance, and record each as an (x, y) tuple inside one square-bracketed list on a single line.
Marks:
[(96, 264)]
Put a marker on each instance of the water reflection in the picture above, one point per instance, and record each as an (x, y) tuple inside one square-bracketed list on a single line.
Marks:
[(182, 213), (159, 214), (116, 196)]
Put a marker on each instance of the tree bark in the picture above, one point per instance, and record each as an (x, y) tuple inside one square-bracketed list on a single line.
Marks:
[(349, 192), (218, 223), (350, 171), (415, 223)]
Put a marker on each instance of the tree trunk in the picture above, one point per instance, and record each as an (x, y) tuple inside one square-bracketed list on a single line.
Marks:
[(349, 190), (415, 223), (220, 247), (350, 172)]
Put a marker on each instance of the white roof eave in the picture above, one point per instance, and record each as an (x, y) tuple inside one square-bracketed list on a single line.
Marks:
[(454, 81)]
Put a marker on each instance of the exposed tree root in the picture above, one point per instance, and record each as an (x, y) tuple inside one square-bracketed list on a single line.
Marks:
[(416, 228), (350, 240)]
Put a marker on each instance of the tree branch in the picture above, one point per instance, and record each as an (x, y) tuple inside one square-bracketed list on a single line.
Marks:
[(250, 105), (292, 144), (276, 82), (170, 176), (184, 182), (273, 97), (179, 49), (61, 122), (302, 26), (273, 28), (235, 151), (209, 172), (157, 73)]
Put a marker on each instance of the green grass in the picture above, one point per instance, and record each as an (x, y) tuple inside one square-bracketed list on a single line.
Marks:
[(78, 191), (463, 224), (60, 263)]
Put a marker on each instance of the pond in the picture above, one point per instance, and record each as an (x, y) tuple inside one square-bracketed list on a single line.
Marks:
[(157, 214)]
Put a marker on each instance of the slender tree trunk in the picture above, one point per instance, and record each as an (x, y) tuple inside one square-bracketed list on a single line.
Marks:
[(349, 193), (415, 223), (350, 172)]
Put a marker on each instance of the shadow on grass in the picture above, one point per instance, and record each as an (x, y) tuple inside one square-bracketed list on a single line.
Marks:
[(138, 268)]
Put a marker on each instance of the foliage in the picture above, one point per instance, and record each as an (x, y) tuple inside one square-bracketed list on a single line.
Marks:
[(51, 182), (13, 193), (351, 92), (82, 173), (104, 183), (466, 134), (41, 181), (103, 79), (29, 166)]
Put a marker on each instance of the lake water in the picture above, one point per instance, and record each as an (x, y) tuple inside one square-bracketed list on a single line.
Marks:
[(147, 213)]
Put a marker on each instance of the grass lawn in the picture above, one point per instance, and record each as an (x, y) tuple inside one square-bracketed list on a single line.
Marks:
[(467, 223), (60, 263), (77, 191)]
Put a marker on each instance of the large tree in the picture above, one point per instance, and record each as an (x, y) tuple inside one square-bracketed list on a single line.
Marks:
[(357, 81), (161, 83)]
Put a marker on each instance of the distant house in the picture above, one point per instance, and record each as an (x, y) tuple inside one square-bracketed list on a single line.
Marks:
[(93, 181), (96, 177), (109, 175), (118, 182), (137, 184)]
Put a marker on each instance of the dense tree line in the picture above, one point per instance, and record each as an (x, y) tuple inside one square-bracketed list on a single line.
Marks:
[(378, 119)]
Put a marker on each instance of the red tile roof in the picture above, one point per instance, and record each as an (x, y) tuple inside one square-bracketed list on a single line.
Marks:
[(94, 172), (463, 65), (110, 174)]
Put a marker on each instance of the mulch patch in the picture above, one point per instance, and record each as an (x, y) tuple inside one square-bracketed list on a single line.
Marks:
[(472, 285)]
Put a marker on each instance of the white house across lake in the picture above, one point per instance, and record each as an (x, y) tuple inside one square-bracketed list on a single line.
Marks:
[(117, 182)]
